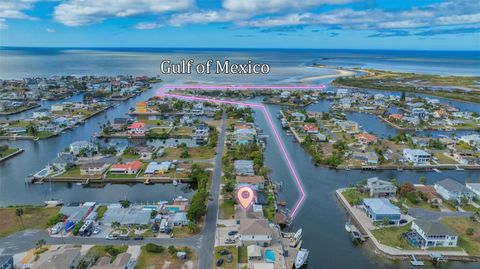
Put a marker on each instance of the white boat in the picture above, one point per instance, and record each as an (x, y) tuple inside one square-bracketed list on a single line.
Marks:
[(436, 170), (54, 202), (348, 226), (459, 168), (297, 237), (175, 183), (301, 258)]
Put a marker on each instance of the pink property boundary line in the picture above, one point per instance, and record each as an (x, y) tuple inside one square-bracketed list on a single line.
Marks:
[(163, 91)]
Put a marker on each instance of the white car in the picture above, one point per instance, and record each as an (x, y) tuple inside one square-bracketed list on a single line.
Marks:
[(111, 237), (97, 230)]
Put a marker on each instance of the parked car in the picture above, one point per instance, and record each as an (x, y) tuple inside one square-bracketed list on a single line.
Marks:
[(111, 237), (403, 221), (219, 262), (224, 251), (229, 258), (138, 237), (232, 233), (97, 230)]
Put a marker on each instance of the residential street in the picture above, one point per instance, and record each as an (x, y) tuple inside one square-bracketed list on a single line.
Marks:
[(203, 242)]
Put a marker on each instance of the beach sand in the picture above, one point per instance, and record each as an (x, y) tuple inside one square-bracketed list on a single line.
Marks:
[(340, 73)]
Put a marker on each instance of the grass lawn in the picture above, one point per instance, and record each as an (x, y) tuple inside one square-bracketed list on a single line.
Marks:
[(471, 243), (197, 153), (130, 156), (353, 196), (148, 260), (110, 175), (182, 131), (393, 237), (470, 208), (183, 232), (227, 208), (7, 152), (242, 254), (226, 265), (442, 159), (72, 172), (99, 251), (101, 211), (420, 204), (33, 218)]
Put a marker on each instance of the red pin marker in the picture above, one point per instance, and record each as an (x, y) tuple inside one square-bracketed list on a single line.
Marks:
[(245, 196)]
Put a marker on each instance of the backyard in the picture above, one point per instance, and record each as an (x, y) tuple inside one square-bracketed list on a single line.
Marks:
[(471, 243)]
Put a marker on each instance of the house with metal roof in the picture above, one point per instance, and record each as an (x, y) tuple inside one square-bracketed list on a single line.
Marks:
[(380, 209), (450, 189), (379, 188), (244, 167), (255, 232), (475, 188), (432, 234)]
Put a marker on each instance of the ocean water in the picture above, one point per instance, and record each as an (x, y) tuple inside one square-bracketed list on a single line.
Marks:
[(287, 66)]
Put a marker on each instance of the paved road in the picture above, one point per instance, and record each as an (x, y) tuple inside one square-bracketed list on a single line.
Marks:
[(208, 234), (202, 242), (420, 213)]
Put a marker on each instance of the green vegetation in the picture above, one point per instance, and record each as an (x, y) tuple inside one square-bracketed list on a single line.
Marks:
[(269, 207), (468, 231), (422, 83), (353, 196), (54, 219), (242, 254), (199, 178), (233, 251), (5, 150), (101, 211), (227, 208), (393, 236), (30, 218), (151, 257), (113, 251)]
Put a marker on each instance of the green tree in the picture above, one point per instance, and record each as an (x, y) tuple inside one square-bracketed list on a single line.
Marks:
[(40, 243), (172, 250), (19, 213), (423, 180)]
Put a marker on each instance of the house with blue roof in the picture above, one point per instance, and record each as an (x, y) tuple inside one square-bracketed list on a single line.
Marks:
[(380, 209)]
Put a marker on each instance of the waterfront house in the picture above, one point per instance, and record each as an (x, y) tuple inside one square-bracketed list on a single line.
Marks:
[(427, 233), (297, 116), (381, 209), (255, 182), (131, 168), (348, 126), (78, 147), (141, 107), (136, 129), (430, 193), (450, 189), (253, 212), (133, 215), (370, 157), (310, 128), (475, 188), (255, 232), (145, 153), (366, 139), (321, 137), (472, 139), (395, 116), (63, 160), (154, 168), (93, 169), (419, 112), (245, 134), (6, 262), (244, 167), (41, 113), (380, 188), (417, 156), (411, 120), (62, 258)]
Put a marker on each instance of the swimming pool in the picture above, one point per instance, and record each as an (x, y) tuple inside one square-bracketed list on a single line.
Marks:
[(270, 256)]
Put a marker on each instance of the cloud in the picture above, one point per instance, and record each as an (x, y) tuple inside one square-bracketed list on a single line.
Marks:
[(205, 17), (444, 14), (49, 30), (451, 31), (15, 9), (3, 25), (271, 6), (148, 25), (84, 12), (390, 33), (282, 29)]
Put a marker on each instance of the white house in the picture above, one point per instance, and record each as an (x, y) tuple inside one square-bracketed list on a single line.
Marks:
[(450, 189), (434, 234), (90, 169), (417, 156), (378, 188), (78, 146), (475, 188), (297, 116), (255, 232), (42, 113)]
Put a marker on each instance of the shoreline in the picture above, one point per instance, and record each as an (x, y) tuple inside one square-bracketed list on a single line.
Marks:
[(11, 155), (341, 72), (394, 253)]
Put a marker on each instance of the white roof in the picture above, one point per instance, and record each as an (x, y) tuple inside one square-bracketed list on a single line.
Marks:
[(381, 206), (254, 251)]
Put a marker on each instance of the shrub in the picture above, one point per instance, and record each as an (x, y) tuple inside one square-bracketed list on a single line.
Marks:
[(172, 250), (470, 231), (154, 248)]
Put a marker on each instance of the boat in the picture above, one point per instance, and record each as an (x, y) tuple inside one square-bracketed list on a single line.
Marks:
[(297, 237), (302, 257), (53, 202), (348, 226), (174, 182), (436, 170), (415, 262), (459, 168)]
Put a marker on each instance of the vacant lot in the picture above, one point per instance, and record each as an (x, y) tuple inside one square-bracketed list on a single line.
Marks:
[(32, 218), (197, 153), (164, 260), (471, 243)]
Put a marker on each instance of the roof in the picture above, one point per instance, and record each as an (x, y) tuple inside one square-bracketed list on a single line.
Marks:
[(309, 127), (416, 151), (154, 166), (136, 125), (429, 191), (61, 260), (126, 216), (452, 185), (120, 262), (381, 206), (135, 165), (250, 179), (92, 165), (368, 137), (474, 186), (254, 251), (255, 227), (434, 227)]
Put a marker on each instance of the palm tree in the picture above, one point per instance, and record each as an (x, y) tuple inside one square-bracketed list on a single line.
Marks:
[(19, 212), (40, 243)]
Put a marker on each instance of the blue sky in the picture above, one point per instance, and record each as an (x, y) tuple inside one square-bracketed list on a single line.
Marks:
[(343, 24)]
